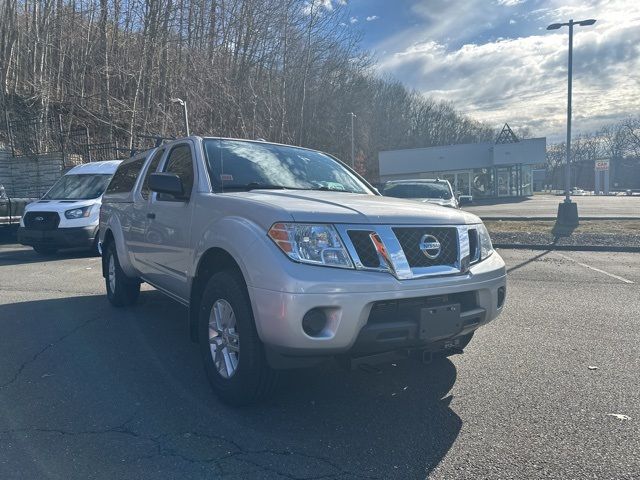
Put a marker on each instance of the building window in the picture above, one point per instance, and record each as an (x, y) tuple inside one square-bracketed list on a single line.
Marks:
[(482, 183)]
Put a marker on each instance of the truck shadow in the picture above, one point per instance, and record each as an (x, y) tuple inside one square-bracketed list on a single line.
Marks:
[(133, 372), (12, 254)]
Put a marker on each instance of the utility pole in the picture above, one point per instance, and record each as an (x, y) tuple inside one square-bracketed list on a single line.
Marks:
[(184, 112), (353, 148), (568, 211)]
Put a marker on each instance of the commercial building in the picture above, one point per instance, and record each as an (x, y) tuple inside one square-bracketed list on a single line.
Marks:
[(483, 170)]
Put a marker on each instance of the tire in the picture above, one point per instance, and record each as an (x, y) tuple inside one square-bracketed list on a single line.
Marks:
[(94, 251), (121, 289), (232, 336), (45, 250)]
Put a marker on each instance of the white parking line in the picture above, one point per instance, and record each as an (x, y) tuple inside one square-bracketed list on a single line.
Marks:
[(617, 277)]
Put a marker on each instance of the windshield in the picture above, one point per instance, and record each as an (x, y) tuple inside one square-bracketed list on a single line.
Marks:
[(78, 187), (439, 190), (241, 165)]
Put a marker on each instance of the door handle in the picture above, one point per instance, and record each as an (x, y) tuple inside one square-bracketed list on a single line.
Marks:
[(151, 215)]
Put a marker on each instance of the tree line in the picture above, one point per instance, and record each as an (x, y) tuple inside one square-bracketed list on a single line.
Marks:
[(289, 71), (618, 142)]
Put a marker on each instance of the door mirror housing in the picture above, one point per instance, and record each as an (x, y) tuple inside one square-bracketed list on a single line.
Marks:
[(465, 199), (168, 183)]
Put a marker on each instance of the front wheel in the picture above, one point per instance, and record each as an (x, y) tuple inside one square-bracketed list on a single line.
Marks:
[(232, 352), (121, 289)]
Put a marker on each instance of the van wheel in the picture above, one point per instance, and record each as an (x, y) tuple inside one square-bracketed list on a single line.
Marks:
[(232, 352), (121, 290), (45, 250), (94, 250)]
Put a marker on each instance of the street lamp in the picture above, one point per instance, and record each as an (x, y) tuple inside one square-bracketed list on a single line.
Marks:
[(184, 112), (568, 211), (353, 150)]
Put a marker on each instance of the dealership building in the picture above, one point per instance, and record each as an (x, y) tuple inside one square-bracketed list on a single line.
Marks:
[(483, 170)]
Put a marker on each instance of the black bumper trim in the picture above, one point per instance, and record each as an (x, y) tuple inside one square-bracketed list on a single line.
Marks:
[(59, 237)]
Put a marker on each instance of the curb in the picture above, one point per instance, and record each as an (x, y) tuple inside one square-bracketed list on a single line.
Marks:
[(575, 248)]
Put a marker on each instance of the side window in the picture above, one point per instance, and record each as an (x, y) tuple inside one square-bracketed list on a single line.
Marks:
[(125, 177), (153, 166), (180, 163)]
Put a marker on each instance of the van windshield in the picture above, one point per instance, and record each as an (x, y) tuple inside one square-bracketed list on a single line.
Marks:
[(240, 165), (78, 187), (418, 190)]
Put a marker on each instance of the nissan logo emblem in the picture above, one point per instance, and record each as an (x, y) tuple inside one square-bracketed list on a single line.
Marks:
[(39, 219), (430, 246)]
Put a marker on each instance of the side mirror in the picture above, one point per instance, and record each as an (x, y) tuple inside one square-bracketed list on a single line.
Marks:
[(465, 199), (169, 183)]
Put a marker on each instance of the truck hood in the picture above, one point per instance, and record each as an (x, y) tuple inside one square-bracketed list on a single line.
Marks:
[(337, 207), (58, 205)]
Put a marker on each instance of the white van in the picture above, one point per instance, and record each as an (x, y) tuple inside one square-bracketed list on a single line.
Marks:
[(67, 215)]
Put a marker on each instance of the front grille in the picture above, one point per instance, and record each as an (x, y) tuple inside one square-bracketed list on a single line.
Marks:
[(410, 237), (41, 220), (364, 248), (408, 309), (474, 250)]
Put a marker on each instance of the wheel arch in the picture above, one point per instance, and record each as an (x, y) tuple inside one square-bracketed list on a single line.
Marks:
[(213, 260), (108, 238)]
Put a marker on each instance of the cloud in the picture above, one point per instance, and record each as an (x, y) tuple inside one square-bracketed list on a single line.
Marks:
[(510, 3), (372, 18), (522, 80), (353, 20)]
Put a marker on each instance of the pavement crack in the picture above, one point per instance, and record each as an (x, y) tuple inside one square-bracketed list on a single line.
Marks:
[(165, 446), (34, 357)]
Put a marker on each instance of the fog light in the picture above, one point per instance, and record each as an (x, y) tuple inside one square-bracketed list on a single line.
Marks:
[(314, 322), (501, 295)]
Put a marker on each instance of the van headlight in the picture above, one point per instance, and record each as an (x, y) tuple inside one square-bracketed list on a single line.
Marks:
[(486, 247), (317, 244), (78, 212)]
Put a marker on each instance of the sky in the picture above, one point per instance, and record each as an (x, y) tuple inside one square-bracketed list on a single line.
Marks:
[(496, 62)]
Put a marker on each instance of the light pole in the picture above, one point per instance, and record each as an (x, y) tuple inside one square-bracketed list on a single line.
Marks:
[(568, 212), (353, 149), (184, 112)]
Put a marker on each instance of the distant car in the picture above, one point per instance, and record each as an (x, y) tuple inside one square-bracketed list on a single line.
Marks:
[(67, 215), (11, 208), (436, 191)]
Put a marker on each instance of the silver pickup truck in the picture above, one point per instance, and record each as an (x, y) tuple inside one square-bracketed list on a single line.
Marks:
[(285, 256)]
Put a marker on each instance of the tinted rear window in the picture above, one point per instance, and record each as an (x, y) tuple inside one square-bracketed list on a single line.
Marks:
[(125, 177), (418, 190)]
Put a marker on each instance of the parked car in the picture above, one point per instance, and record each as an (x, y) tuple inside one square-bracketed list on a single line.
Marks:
[(67, 215), (436, 191), (285, 256), (11, 208)]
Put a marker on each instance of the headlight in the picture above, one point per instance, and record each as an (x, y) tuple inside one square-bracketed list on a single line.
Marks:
[(317, 244), (486, 248), (78, 212)]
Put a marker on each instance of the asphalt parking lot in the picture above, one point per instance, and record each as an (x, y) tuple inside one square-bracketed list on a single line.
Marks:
[(548, 390), (546, 206)]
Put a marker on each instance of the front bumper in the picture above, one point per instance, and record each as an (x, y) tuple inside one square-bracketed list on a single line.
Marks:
[(351, 327), (74, 237)]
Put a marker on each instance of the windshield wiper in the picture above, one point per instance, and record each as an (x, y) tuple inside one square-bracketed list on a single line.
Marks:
[(257, 186), (327, 189)]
